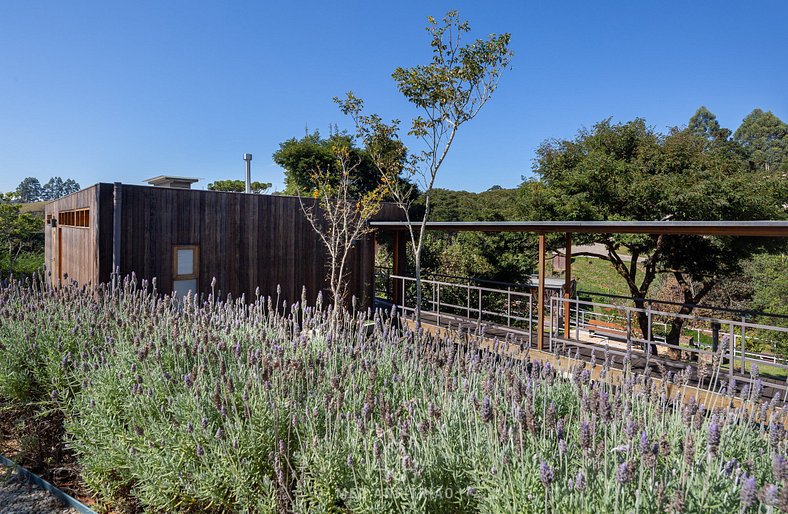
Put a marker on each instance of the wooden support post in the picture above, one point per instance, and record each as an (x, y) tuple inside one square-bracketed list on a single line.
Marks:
[(117, 197), (398, 264), (540, 298), (568, 286)]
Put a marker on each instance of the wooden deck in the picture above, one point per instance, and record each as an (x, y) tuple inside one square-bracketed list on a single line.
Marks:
[(519, 344)]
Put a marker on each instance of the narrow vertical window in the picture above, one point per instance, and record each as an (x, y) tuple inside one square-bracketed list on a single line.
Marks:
[(185, 266)]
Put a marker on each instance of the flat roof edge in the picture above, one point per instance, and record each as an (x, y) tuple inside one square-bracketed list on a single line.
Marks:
[(763, 228)]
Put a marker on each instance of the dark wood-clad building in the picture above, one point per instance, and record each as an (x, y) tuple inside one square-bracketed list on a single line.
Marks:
[(185, 238)]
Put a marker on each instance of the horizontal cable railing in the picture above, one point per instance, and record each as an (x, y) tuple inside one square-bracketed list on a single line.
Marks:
[(482, 304), (729, 338)]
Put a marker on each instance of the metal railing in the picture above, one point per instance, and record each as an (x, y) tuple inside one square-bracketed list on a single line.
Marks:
[(699, 332), (438, 296), (732, 344)]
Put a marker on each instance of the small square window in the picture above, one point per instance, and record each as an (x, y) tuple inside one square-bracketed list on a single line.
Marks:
[(185, 266), (185, 261)]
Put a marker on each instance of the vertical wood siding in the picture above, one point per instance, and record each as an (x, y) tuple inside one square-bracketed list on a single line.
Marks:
[(71, 253), (246, 242)]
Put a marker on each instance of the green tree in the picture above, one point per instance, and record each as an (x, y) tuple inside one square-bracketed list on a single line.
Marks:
[(505, 256), (19, 232), (238, 186), (767, 273), (627, 171), (704, 124), (56, 188), (29, 190), (302, 158), (765, 137), (447, 92)]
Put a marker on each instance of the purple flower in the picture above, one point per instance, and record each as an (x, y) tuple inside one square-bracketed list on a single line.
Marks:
[(713, 438), (580, 481), (200, 451), (560, 430), (550, 417), (187, 380), (376, 450), (748, 490), (630, 429), (546, 474), (774, 434), (779, 467), (769, 494), (730, 466), (624, 473), (486, 412), (643, 446), (585, 435)]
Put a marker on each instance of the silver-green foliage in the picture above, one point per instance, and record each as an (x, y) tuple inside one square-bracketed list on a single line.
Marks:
[(235, 407)]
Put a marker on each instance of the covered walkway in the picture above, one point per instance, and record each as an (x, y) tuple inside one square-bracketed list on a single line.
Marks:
[(552, 320)]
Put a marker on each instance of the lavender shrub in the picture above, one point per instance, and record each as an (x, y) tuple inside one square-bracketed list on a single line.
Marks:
[(224, 406)]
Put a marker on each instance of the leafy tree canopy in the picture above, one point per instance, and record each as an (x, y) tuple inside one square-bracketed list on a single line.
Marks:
[(628, 171), (494, 256), (19, 232), (56, 188), (31, 190), (238, 186), (303, 159), (765, 138)]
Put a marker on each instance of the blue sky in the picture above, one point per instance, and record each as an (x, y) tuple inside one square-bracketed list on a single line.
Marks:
[(111, 91)]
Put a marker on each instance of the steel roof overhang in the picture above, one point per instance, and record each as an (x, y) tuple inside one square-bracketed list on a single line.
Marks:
[(763, 228)]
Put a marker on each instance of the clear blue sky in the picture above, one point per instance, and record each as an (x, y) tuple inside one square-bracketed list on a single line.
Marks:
[(122, 91)]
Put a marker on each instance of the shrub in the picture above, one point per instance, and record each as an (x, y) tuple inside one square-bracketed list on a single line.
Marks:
[(229, 407)]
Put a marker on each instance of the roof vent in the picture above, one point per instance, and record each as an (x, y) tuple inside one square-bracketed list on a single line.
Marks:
[(173, 182)]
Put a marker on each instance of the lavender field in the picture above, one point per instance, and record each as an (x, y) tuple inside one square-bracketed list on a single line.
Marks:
[(231, 406)]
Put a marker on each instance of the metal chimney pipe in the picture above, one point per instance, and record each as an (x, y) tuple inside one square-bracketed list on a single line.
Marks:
[(248, 159)]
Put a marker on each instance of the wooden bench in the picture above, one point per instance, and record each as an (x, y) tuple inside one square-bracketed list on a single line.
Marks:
[(606, 328)]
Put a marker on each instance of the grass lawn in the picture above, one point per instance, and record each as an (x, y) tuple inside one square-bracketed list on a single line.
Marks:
[(598, 276), (36, 208)]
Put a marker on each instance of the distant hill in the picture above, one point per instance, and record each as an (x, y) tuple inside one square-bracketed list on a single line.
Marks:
[(494, 204), (34, 208)]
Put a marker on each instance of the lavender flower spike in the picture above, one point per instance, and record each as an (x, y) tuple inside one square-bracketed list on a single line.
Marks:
[(580, 481), (624, 473), (546, 474), (748, 491), (713, 438)]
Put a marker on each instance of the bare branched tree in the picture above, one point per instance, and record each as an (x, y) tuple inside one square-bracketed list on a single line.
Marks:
[(340, 216)]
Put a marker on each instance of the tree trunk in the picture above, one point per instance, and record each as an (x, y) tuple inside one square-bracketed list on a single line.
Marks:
[(642, 319), (676, 326), (418, 290), (690, 300)]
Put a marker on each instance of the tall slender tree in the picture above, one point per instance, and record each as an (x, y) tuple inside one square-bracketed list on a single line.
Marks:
[(765, 137), (447, 92)]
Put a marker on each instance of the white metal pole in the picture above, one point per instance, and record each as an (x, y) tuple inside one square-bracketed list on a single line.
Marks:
[(248, 159)]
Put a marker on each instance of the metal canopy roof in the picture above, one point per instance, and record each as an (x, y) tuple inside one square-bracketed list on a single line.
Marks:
[(701, 228)]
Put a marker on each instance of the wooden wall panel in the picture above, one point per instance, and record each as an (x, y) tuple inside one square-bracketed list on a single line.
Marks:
[(71, 253), (104, 231), (245, 241)]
